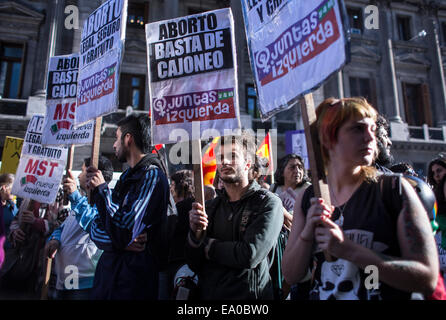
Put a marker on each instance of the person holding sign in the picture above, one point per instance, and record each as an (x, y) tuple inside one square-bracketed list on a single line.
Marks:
[(241, 226), (376, 236), (8, 210), (72, 243), (137, 205)]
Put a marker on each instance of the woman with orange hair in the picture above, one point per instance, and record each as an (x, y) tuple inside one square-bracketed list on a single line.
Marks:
[(375, 241)]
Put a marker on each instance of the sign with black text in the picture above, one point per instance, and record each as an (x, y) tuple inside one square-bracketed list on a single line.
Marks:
[(41, 168), (192, 74), (101, 52), (294, 46), (61, 104)]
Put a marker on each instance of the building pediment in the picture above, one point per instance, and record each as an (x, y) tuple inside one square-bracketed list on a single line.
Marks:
[(135, 45), (412, 58), (11, 8), (365, 53)]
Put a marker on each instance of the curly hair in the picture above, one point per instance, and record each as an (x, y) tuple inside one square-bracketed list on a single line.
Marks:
[(440, 161), (279, 174), (184, 183)]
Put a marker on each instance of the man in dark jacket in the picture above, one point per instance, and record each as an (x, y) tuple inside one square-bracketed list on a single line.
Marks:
[(137, 205), (228, 245)]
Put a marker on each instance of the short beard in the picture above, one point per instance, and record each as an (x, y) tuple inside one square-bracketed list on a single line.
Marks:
[(122, 156), (235, 178), (231, 180)]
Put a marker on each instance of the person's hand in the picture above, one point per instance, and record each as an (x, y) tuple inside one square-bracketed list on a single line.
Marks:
[(315, 215), (198, 220), (18, 236), (330, 237), (287, 219), (69, 183), (139, 244), (27, 217), (94, 178), (51, 248)]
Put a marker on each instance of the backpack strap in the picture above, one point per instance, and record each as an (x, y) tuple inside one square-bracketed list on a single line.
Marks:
[(391, 194)]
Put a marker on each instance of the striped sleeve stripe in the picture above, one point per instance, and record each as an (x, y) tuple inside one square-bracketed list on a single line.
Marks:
[(120, 220), (111, 207), (140, 205), (56, 234), (143, 197), (99, 235)]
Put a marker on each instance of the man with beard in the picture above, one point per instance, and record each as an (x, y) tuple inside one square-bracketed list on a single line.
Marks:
[(229, 242), (137, 205), (384, 158)]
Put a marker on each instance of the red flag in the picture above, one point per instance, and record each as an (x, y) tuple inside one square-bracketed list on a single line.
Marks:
[(209, 163), (158, 147)]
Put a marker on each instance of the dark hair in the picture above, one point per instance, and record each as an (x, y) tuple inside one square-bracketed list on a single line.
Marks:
[(403, 167), (258, 168), (184, 183), (430, 174), (246, 140), (139, 127), (278, 175), (382, 122), (105, 165), (6, 178)]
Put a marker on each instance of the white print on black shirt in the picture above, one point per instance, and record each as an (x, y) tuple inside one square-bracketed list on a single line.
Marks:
[(341, 279)]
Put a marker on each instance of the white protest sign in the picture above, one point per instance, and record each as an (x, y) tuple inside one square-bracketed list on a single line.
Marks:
[(192, 74), (101, 51), (295, 142), (61, 104), (40, 169), (288, 198), (293, 46)]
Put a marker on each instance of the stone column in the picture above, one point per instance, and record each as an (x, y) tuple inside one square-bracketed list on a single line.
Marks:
[(171, 9)]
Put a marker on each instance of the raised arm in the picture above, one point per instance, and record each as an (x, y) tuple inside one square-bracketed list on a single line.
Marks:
[(417, 268), (297, 255)]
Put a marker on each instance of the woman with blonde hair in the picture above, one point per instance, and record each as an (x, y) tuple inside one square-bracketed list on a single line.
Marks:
[(375, 224)]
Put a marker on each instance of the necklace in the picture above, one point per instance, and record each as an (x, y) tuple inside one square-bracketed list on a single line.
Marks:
[(340, 220)]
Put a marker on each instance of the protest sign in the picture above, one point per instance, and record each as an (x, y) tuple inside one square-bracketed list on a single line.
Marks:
[(295, 142), (192, 74), (11, 154), (294, 46), (61, 104), (101, 51), (288, 198), (41, 168)]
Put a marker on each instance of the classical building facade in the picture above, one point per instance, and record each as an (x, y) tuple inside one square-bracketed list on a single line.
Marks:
[(397, 54)]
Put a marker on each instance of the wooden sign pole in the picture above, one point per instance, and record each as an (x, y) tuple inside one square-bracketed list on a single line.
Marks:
[(46, 278), (95, 147), (270, 150), (318, 177), (198, 173), (69, 166)]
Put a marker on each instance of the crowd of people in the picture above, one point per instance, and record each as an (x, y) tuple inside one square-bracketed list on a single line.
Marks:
[(253, 238)]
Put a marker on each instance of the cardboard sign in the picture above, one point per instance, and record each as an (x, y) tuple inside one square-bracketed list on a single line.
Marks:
[(295, 142), (192, 74), (101, 52), (61, 104), (11, 155), (41, 168), (294, 46), (288, 198)]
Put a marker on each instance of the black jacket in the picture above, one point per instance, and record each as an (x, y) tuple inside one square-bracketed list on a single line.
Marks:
[(238, 266)]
